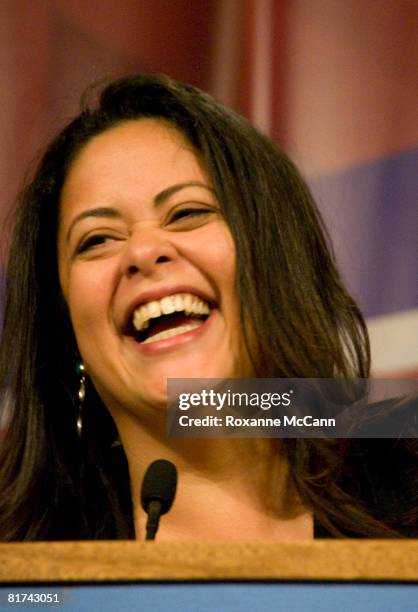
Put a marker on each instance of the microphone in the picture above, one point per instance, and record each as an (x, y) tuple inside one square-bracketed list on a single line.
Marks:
[(157, 493)]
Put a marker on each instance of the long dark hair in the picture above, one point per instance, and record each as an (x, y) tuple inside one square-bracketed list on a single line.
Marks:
[(54, 486)]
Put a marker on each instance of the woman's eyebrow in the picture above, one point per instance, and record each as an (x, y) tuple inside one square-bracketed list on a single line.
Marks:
[(161, 197), (114, 213), (100, 211)]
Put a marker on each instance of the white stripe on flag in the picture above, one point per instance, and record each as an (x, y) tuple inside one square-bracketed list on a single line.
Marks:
[(394, 343)]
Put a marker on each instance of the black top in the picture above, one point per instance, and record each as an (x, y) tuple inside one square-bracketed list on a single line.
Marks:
[(382, 475)]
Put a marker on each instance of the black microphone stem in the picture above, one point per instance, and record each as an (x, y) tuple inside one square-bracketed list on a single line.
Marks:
[(153, 519)]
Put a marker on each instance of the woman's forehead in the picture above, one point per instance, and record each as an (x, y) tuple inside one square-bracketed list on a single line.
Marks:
[(134, 160)]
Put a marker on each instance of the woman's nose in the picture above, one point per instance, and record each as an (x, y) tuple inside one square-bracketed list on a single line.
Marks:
[(146, 250)]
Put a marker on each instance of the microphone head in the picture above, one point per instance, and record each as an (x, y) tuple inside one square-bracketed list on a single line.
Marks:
[(159, 484)]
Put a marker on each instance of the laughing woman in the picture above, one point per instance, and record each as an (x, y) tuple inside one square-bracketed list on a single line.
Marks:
[(156, 200)]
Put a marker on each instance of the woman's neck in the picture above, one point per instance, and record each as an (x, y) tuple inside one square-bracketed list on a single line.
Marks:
[(228, 488)]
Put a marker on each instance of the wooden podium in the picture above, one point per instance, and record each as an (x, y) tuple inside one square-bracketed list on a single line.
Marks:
[(127, 561), (252, 568)]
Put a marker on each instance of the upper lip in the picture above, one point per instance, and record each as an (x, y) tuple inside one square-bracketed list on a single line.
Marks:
[(156, 294)]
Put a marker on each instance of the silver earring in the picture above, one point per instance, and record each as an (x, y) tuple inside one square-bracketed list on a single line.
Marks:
[(81, 398)]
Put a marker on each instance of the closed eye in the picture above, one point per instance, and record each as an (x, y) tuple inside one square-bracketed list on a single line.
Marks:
[(190, 212), (93, 241)]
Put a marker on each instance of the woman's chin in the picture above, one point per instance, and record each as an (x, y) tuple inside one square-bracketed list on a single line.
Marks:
[(159, 389)]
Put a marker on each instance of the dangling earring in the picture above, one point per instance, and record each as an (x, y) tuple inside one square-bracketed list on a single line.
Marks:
[(81, 398)]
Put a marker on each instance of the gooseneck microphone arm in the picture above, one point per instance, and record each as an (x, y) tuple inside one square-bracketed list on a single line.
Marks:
[(153, 519), (157, 493)]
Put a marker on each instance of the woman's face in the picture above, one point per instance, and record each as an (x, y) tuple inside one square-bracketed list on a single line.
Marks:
[(147, 266)]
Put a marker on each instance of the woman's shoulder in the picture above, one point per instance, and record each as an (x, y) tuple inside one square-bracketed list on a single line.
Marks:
[(382, 474), (379, 473)]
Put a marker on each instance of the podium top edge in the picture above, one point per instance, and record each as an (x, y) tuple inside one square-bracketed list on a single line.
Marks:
[(131, 561)]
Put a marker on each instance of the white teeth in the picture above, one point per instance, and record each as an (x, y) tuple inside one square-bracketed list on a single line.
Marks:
[(187, 303), (154, 310), (180, 302), (168, 305), (169, 333)]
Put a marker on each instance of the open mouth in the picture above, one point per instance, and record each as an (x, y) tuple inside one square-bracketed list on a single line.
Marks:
[(171, 316)]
